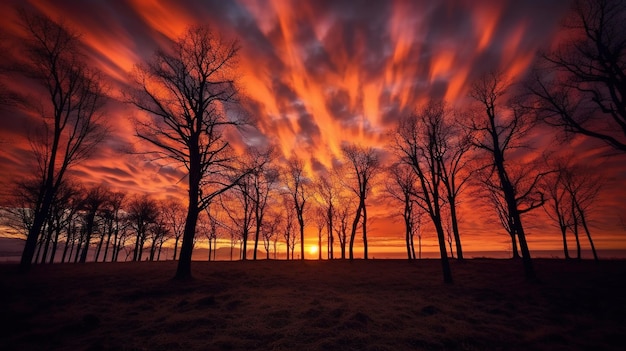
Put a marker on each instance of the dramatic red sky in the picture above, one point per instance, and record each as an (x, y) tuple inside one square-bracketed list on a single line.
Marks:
[(319, 73)]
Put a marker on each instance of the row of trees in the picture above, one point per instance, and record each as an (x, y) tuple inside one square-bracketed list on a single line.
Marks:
[(190, 94)]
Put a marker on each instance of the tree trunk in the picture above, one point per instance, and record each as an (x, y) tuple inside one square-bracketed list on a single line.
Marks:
[(455, 229), (176, 248), (445, 264), (183, 271), (584, 223), (210, 245), (47, 240), (89, 231), (364, 230), (564, 235), (355, 223), (301, 222)]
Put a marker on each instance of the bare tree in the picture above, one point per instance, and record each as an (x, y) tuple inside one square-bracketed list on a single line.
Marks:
[(69, 104), (341, 229), (94, 202), (581, 85), (296, 183), (187, 89), (174, 215), (238, 204), (270, 233), (557, 202), (112, 217), (583, 187), (419, 141), (262, 181), (401, 186), (365, 165), (501, 129), (328, 191), (320, 223), (142, 213), (289, 227), (158, 232)]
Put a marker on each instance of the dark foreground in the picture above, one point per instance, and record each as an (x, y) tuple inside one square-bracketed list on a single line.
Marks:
[(278, 305)]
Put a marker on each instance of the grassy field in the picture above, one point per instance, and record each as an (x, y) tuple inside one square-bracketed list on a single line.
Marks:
[(313, 305)]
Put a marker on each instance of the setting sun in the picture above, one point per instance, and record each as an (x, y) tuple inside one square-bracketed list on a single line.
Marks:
[(313, 250)]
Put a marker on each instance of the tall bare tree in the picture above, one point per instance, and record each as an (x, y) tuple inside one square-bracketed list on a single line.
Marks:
[(112, 217), (342, 227), (187, 90), (95, 201), (239, 206), (582, 186), (69, 104), (174, 215), (401, 186), (143, 212), (499, 130), (581, 85), (365, 164), (263, 179), (419, 142), (289, 227), (297, 186), (557, 202), (328, 190)]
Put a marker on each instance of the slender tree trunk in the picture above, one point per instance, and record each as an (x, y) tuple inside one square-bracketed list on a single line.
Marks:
[(55, 244), (584, 223), (301, 222), (66, 247), (176, 248), (355, 223), (47, 240), (455, 229), (106, 247), (564, 235), (445, 264), (210, 245), (99, 247), (364, 230), (88, 233), (419, 238), (575, 230)]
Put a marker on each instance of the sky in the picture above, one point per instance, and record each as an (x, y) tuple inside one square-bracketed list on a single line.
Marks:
[(316, 74)]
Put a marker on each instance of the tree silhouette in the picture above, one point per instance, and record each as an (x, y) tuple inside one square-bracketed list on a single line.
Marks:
[(174, 216), (112, 217), (401, 186), (296, 183), (581, 85), (582, 187), (328, 190), (263, 179), (93, 203), (69, 105), (365, 164), (143, 212), (499, 130), (238, 204), (419, 139), (186, 89)]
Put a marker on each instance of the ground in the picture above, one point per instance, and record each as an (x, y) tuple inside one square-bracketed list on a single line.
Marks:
[(314, 305)]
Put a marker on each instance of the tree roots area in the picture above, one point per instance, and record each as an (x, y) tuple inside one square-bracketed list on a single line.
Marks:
[(314, 305)]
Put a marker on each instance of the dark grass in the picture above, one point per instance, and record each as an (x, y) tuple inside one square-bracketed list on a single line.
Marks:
[(311, 305)]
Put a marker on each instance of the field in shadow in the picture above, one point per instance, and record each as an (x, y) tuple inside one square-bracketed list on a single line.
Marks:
[(311, 305)]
